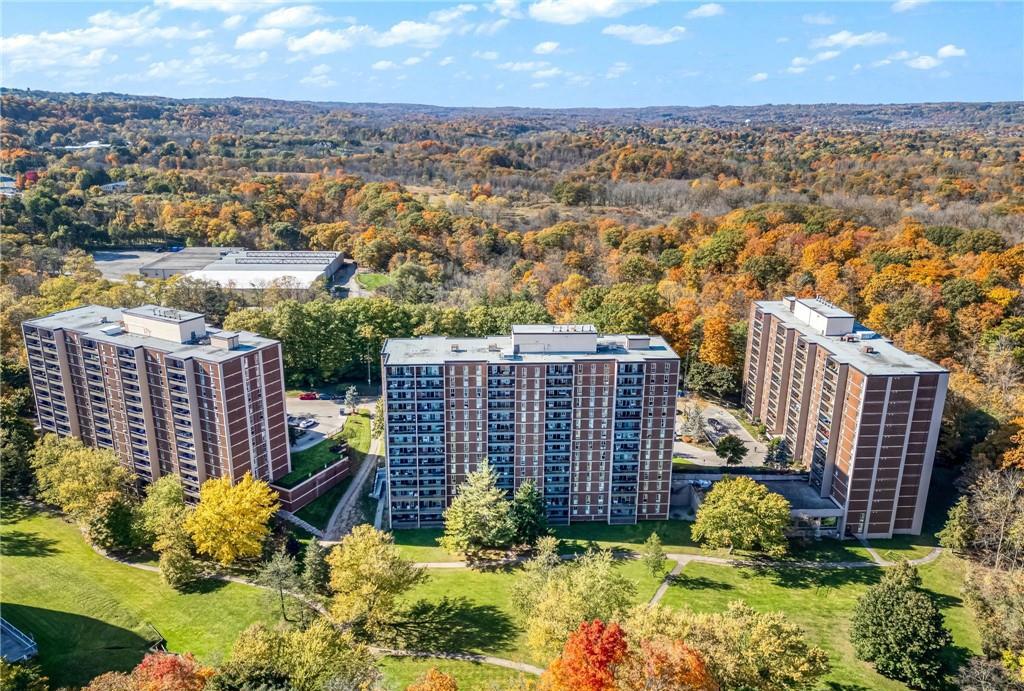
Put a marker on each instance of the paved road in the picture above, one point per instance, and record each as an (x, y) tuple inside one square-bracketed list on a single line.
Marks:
[(346, 277), (729, 425), (328, 414)]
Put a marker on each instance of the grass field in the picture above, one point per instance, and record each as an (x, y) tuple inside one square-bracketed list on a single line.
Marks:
[(372, 281), (357, 433), (91, 615), (822, 602), (318, 512), (399, 672)]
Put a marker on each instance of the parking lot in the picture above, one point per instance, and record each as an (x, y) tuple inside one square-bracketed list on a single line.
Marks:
[(329, 417), (116, 265)]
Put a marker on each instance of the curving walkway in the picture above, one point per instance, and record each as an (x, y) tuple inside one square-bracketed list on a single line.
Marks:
[(469, 657)]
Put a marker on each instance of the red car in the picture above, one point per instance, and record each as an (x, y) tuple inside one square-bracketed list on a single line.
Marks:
[(309, 396)]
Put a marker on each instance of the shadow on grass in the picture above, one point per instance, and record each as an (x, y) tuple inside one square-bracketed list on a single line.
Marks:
[(12, 510), (836, 686), (454, 625), (796, 577), (202, 586), (698, 582), (73, 648), (22, 543)]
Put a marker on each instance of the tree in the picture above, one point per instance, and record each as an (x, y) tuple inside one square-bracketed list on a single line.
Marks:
[(653, 555), (231, 521), (716, 347), (528, 515), (692, 419), (368, 576), (958, 533), (351, 399), (16, 676), (110, 525), (981, 674), (731, 448), (72, 476), (163, 510), (706, 378), (742, 648), (587, 588), (740, 513), (899, 628), (988, 523), (316, 574), (378, 424), (434, 680), (663, 664), (480, 515), (177, 567), (169, 672), (278, 575), (589, 658)]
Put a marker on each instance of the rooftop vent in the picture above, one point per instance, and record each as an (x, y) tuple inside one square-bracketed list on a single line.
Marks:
[(850, 338), (868, 350), (493, 347), (224, 339), (455, 347)]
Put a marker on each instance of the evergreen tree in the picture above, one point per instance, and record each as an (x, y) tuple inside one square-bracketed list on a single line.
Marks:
[(315, 572), (279, 575), (528, 514), (480, 515)]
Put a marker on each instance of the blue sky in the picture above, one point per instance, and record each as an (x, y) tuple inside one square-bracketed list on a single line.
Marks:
[(547, 53)]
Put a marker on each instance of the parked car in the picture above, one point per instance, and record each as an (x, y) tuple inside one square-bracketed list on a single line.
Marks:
[(701, 484), (309, 396), (307, 423)]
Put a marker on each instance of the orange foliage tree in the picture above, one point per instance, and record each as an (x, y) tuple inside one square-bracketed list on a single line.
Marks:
[(716, 347), (665, 665), (434, 680), (589, 659)]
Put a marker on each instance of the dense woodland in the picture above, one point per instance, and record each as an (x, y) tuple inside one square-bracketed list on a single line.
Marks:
[(662, 220)]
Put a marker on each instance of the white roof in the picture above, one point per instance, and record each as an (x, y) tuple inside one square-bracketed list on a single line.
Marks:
[(258, 279)]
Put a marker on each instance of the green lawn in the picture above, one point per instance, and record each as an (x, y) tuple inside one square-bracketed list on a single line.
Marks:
[(357, 432), (822, 602), (310, 461), (318, 512), (372, 281), (91, 615), (399, 672), (478, 615)]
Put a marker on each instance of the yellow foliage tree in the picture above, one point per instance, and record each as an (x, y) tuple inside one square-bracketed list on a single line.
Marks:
[(434, 680), (231, 521), (561, 299), (716, 348)]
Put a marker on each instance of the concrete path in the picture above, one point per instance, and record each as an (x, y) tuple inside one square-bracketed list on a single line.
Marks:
[(343, 519), (469, 657)]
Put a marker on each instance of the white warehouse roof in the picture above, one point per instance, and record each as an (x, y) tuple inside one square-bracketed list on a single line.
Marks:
[(256, 270)]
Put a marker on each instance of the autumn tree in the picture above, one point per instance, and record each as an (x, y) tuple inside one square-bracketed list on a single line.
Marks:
[(230, 522), (716, 346), (72, 476), (740, 513), (368, 578), (664, 664), (434, 680), (589, 658)]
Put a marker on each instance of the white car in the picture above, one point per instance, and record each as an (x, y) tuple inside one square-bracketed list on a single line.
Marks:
[(307, 423)]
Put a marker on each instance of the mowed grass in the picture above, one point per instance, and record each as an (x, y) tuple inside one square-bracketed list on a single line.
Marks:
[(90, 615), (399, 672), (472, 611), (318, 512), (822, 601), (372, 281), (357, 433), (310, 461)]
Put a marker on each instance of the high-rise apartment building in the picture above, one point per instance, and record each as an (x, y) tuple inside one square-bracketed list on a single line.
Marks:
[(588, 418), (862, 415), (162, 389)]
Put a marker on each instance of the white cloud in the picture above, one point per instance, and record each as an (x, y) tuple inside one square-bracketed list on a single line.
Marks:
[(906, 5), (91, 45), (233, 22), (196, 69), (578, 11), (711, 9), (319, 76), (617, 70), (451, 14), (796, 70), (490, 28), (547, 73), (506, 8), (323, 41), (951, 51), (644, 34), (524, 66), (818, 57), (485, 54), (545, 47), (848, 39), (924, 62), (384, 65), (782, 39), (292, 18), (819, 19), (539, 85), (759, 77), (225, 6), (412, 61), (444, 62), (259, 38)]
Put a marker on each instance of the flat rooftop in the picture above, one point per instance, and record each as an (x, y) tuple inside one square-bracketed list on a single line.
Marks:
[(96, 322), (801, 495), (886, 359), (253, 269), (435, 350), (190, 258)]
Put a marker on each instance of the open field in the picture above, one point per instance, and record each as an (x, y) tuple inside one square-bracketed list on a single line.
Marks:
[(91, 615), (372, 281)]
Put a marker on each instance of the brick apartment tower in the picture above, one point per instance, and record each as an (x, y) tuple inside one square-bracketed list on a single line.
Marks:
[(862, 415), (164, 391), (588, 418)]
